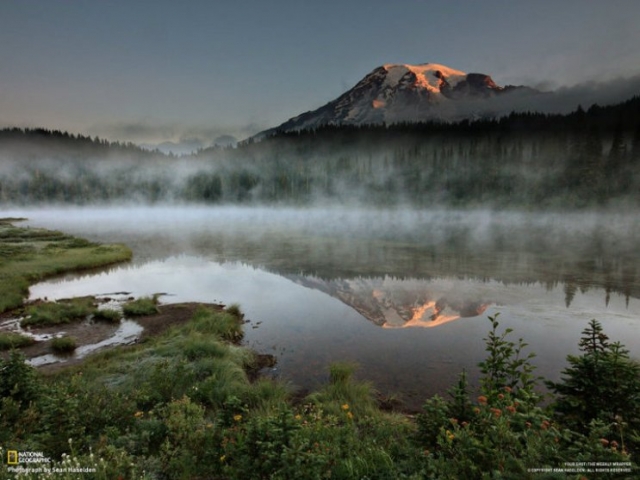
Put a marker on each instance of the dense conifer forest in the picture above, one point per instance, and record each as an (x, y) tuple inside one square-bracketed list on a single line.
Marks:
[(588, 158)]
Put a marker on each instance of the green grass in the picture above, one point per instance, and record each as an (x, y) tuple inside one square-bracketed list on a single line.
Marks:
[(63, 344), (141, 307), (344, 394), (29, 255), (227, 326), (61, 312), (108, 315), (9, 340)]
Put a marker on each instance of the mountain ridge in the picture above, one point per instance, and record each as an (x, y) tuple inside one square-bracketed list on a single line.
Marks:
[(395, 93)]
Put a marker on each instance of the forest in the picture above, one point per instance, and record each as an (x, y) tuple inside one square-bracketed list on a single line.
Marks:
[(586, 159)]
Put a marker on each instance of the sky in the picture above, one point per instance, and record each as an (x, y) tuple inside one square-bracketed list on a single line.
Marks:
[(194, 70)]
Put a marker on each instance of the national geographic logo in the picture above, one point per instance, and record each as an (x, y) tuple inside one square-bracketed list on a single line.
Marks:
[(12, 457)]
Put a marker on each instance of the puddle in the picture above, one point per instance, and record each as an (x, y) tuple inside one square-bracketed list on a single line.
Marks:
[(128, 332)]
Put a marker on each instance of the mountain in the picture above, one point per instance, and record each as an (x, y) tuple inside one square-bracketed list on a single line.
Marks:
[(395, 93)]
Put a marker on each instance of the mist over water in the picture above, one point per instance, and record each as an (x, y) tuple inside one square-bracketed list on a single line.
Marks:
[(318, 284)]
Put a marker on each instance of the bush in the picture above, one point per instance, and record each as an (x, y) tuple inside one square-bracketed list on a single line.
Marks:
[(63, 344)]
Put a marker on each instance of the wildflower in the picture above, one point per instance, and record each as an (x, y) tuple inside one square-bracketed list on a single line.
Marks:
[(450, 436), (298, 417), (527, 424), (496, 412), (604, 442), (454, 421), (237, 418), (508, 389), (482, 400), (614, 445), (545, 425), (511, 409), (500, 396), (223, 458), (209, 425), (138, 414), (345, 407), (476, 410), (350, 415)]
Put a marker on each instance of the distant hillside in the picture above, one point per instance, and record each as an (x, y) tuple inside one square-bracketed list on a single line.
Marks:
[(589, 158)]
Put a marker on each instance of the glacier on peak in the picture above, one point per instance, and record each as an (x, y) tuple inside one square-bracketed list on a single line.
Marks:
[(395, 93)]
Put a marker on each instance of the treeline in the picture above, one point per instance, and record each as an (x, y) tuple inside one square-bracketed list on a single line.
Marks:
[(583, 159)]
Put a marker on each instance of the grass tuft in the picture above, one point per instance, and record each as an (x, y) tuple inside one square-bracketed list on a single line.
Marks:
[(9, 340), (56, 313), (63, 344), (141, 307), (107, 315)]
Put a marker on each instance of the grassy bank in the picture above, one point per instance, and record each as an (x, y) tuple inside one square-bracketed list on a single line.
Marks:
[(28, 255), (186, 404), (181, 406)]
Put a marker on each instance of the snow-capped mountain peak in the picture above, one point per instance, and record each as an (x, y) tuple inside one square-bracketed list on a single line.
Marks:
[(394, 93)]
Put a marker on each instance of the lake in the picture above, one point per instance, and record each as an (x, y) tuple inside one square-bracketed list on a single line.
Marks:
[(404, 293)]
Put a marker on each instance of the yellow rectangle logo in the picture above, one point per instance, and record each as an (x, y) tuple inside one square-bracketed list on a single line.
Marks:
[(12, 457)]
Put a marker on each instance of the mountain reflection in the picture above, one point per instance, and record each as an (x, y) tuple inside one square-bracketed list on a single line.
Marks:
[(400, 303)]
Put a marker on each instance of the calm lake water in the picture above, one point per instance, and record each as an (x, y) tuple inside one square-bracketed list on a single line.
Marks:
[(403, 293)]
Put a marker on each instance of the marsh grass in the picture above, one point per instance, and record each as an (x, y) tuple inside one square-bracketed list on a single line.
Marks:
[(9, 340), (225, 325), (63, 345), (343, 394), (141, 307), (28, 255), (108, 315), (61, 312)]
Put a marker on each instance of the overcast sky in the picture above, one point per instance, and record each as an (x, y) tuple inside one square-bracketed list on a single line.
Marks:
[(148, 71)]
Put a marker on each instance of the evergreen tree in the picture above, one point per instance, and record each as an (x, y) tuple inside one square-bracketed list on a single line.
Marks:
[(601, 384)]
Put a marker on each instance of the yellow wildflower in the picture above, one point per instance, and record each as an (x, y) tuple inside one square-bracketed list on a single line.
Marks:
[(138, 414), (345, 407), (237, 417)]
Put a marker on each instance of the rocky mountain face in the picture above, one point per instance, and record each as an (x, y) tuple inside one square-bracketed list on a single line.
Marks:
[(395, 93)]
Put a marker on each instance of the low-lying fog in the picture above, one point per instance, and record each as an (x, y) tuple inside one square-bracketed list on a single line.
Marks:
[(318, 284)]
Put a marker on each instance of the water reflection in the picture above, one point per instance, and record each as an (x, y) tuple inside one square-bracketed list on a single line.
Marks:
[(323, 282), (400, 303)]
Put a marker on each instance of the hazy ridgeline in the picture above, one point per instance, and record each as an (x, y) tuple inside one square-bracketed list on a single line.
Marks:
[(583, 159)]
